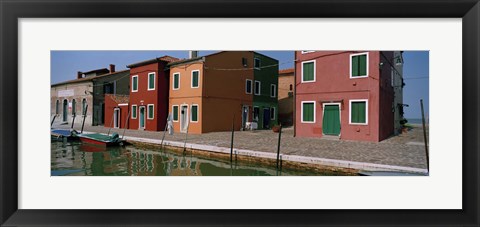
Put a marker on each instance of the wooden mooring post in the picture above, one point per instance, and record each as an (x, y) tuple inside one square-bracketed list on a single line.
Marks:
[(425, 136), (278, 147), (111, 123), (126, 122), (84, 116), (54, 116), (231, 141), (73, 120), (165, 130)]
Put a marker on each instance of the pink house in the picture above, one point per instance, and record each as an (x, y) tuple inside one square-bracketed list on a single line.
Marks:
[(345, 94)]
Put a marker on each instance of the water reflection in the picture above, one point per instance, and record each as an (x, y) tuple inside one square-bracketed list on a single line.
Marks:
[(76, 159)]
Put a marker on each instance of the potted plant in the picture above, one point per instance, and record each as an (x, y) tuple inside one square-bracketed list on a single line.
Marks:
[(276, 128)]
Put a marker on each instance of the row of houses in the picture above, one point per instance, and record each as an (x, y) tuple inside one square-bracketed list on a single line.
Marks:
[(351, 95)]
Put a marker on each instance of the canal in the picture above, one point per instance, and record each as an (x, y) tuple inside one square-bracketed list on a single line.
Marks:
[(77, 159)]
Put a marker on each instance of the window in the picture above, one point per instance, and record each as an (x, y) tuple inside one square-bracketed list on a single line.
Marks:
[(272, 113), (57, 107), (134, 83), (256, 113), (74, 107), (176, 81), (257, 87), (244, 62), (150, 113), (308, 112), (359, 112), (175, 113), (84, 106), (308, 71), (273, 90), (359, 65), (194, 113), (134, 111), (291, 87), (151, 81), (248, 87), (195, 78), (257, 63)]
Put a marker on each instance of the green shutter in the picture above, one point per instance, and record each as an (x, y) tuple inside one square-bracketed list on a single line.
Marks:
[(151, 79), (175, 113), (363, 65), (195, 79), (150, 112), (135, 83), (308, 71), (358, 112), (354, 66), (194, 113), (175, 81), (134, 111), (308, 112)]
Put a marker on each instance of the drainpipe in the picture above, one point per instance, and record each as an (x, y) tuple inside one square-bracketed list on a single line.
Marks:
[(294, 94)]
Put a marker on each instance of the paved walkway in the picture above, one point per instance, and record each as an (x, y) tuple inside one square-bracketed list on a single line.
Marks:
[(404, 150)]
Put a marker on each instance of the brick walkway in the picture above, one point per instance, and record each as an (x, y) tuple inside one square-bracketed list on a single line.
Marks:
[(397, 150)]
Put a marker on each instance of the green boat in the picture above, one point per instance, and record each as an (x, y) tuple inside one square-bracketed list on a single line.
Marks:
[(101, 139)]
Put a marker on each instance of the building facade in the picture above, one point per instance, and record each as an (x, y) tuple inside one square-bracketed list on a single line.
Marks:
[(69, 99), (344, 94), (212, 92), (286, 89)]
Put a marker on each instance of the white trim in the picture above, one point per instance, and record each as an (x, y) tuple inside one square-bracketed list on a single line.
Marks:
[(119, 119), (350, 111), (314, 112), (191, 79), (178, 113), (123, 104), (148, 111), (191, 113), (314, 71), (339, 114), (148, 81), (260, 63), (251, 86), (179, 119), (259, 87), (307, 51), (274, 90), (248, 113), (367, 62), (173, 81), (274, 111), (135, 76), (136, 109)]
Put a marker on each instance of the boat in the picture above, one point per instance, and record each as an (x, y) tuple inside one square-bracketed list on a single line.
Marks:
[(101, 139), (59, 134)]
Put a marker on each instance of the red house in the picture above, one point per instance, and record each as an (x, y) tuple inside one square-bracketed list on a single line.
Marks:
[(148, 100), (345, 94)]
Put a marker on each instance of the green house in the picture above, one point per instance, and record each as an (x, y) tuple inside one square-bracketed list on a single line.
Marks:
[(265, 91)]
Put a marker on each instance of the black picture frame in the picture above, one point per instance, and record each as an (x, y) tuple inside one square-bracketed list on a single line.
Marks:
[(11, 11)]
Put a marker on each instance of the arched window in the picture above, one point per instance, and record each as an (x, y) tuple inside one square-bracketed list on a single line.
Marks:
[(74, 107), (84, 105), (57, 107), (291, 87)]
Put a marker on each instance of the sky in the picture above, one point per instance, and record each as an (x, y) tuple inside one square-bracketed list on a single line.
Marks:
[(65, 64)]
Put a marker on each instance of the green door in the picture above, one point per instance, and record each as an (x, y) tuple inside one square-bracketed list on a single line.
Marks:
[(331, 120)]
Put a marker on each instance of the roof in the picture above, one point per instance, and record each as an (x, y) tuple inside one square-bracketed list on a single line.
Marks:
[(90, 78), (185, 61), (120, 98), (285, 71), (104, 70), (166, 58)]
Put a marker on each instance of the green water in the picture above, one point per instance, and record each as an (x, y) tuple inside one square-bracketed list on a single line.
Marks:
[(76, 159)]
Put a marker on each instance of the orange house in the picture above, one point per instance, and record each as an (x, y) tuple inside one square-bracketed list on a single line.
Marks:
[(208, 93)]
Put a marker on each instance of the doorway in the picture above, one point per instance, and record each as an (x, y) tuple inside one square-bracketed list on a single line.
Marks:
[(266, 118), (245, 110), (65, 110), (141, 124), (116, 118), (183, 118), (331, 119)]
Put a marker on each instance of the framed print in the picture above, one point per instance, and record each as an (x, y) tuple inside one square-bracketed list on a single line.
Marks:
[(153, 74)]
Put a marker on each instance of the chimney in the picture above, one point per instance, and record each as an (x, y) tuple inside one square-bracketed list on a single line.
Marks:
[(79, 75), (192, 54), (112, 68)]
